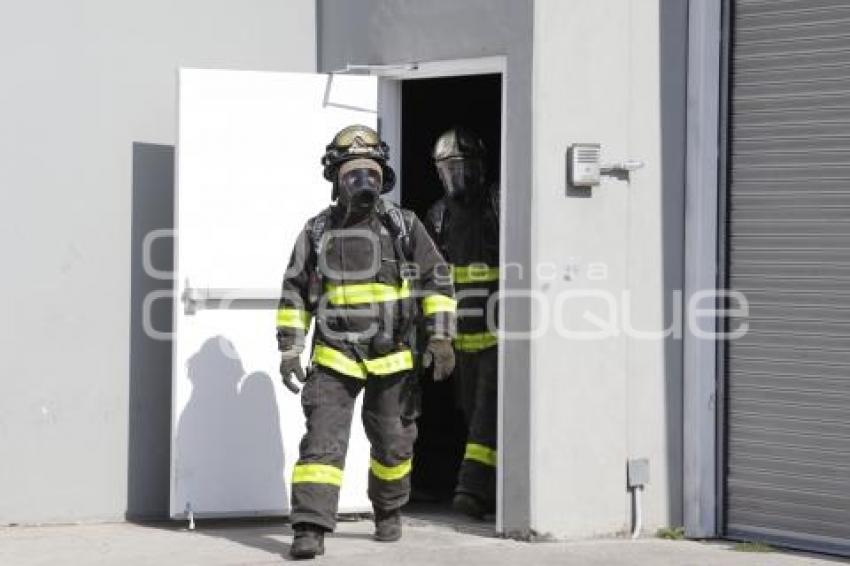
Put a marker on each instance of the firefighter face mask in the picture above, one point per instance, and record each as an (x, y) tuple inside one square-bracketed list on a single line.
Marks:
[(359, 186), (462, 178)]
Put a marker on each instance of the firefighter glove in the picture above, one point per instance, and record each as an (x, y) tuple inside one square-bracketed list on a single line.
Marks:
[(290, 364), (441, 354)]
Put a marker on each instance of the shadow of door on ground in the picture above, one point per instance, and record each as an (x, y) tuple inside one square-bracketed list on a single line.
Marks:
[(269, 535)]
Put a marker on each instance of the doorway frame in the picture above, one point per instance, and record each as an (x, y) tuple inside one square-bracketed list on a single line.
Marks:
[(389, 123), (703, 462)]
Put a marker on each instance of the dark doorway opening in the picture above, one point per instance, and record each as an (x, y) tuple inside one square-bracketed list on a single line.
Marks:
[(430, 107)]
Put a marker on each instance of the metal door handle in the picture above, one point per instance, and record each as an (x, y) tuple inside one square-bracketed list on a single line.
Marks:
[(195, 299)]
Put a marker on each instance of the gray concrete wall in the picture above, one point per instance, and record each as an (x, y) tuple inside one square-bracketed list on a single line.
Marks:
[(84, 397), (403, 31), (615, 73)]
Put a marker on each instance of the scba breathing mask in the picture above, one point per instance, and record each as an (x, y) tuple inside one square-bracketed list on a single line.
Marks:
[(360, 184)]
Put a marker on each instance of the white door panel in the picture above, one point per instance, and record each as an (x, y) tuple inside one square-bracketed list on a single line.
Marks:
[(248, 178)]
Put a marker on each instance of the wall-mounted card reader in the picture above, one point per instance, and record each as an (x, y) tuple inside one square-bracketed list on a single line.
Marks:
[(585, 167)]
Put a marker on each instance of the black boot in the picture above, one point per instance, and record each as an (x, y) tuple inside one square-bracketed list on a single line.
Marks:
[(308, 542), (387, 525), (469, 505)]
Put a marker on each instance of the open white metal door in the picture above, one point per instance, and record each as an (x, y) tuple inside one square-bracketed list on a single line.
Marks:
[(248, 179)]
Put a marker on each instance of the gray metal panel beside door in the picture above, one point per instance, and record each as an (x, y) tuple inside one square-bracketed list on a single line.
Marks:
[(787, 381)]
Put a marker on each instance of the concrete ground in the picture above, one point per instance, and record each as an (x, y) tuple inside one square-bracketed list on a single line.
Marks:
[(426, 542)]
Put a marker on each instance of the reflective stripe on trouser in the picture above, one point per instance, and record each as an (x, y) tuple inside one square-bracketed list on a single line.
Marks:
[(328, 402), (476, 379), (481, 454)]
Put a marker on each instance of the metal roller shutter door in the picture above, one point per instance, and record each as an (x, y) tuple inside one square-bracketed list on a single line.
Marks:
[(788, 249)]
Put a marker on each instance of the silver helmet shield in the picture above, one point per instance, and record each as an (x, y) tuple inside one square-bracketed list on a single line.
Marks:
[(461, 177)]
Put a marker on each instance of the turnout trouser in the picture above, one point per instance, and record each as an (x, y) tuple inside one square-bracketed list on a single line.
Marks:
[(477, 381), (390, 403)]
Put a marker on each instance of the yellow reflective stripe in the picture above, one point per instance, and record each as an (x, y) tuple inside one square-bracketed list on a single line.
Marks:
[(293, 318), (438, 303), (390, 473), (386, 365), (475, 273), (317, 473), (390, 363), (364, 293), (480, 453), (475, 342), (338, 361)]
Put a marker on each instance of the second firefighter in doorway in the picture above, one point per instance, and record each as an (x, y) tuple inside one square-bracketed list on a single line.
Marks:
[(363, 269), (465, 225)]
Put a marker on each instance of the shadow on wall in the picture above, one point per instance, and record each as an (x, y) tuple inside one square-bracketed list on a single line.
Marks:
[(229, 447), (673, 89), (150, 359)]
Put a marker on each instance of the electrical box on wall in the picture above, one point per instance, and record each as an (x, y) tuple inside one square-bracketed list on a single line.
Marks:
[(585, 168), (583, 164), (637, 472)]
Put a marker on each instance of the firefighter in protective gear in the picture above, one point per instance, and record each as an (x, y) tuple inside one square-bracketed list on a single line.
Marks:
[(465, 225), (367, 273)]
